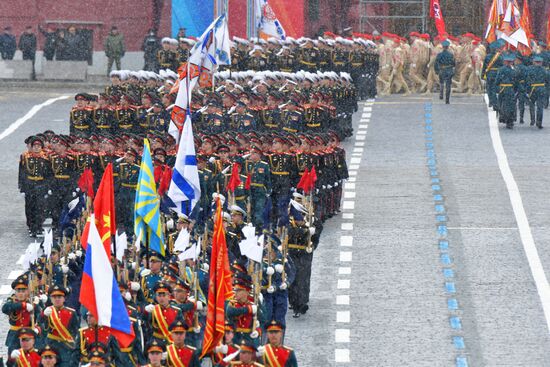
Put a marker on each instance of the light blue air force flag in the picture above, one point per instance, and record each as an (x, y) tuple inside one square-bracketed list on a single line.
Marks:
[(185, 189)]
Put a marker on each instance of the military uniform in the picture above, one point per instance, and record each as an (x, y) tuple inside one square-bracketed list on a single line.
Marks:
[(125, 118), (260, 188), (128, 174), (104, 120), (445, 68), (537, 81), (507, 83), (491, 64), (62, 183), (80, 120)]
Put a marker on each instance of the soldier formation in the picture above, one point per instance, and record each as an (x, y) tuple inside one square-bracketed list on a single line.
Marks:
[(259, 136)]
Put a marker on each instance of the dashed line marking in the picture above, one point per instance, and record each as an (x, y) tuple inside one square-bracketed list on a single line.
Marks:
[(347, 226), (346, 241), (360, 137), (349, 205), (341, 335), (344, 283), (341, 355), (342, 299), (347, 215), (352, 179), (355, 160), (343, 316), (344, 270), (349, 195), (354, 166), (358, 150), (345, 256), (349, 186), (360, 143), (21, 259)]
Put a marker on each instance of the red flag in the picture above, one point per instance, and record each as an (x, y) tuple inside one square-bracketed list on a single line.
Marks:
[(303, 184), (525, 20), (437, 15), (248, 182), (312, 179), (86, 182), (548, 29), (235, 179), (219, 289), (104, 209), (165, 180)]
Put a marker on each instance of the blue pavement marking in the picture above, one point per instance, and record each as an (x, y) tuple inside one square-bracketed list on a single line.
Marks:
[(452, 304), (429, 133), (440, 208), (428, 115), (458, 341), (436, 187), (430, 153), (448, 273), (429, 145), (435, 180), (429, 138), (429, 128), (450, 287), (461, 362), (438, 197), (446, 259), (442, 230), (455, 322), (441, 218), (433, 173), (431, 162), (443, 245)]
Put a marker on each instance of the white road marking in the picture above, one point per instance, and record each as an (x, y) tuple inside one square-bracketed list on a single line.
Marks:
[(349, 204), (352, 173), (349, 194), (483, 228), (20, 121), (360, 137), (358, 150), (347, 215), (359, 143), (344, 283), (343, 316), (362, 127), (14, 274), (367, 108), (341, 355), (355, 160), (345, 256), (344, 270), (341, 335), (21, 259), (531, 252), (5, 289), (354, 166), (356, 154), (346, 241), (347, 226), (349, 186), (342, 299)]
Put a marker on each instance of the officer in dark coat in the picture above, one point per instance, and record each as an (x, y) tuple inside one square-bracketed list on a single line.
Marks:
[(27, 44), (506, 81), (445, 68), (49, 44), (8, 44), (537, 81)]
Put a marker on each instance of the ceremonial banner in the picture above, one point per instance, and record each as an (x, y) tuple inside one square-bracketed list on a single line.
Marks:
[(437, 15)]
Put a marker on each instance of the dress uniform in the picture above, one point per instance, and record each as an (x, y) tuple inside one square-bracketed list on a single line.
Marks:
[(34, 171), (178, 353), (27, 356), (247, 355), (157, 121), (80, 118), (21, 312), (128, 174), (506, 82), (166, 58), (283, 174), (491, 64), (240, 311), (445, 68), (155, 350), (308, 57), (60, 325), (103, 117), (260, 185), (125, 116), (275, 354), (292, 119), (62, 183), (161, 316), (537, 82)]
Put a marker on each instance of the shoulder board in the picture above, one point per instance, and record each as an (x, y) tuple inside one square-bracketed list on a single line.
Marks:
[(190, 347), (258, 364), (175, 307), (70, 309), (264, 162), (287, 348)]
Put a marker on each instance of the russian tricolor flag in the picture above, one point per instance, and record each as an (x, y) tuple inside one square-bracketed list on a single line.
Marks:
[(99, 291)]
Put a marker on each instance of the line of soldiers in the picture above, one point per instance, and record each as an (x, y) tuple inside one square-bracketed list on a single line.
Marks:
[(165, 295), (514, 81), (357, 57)]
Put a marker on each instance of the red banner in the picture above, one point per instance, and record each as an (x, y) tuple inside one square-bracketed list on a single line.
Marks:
[(437, 15)]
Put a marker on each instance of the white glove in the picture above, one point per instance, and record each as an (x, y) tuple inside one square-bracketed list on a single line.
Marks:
[(329, 187), (283, 286), (323, 187), (170, 224), (127, 296), (135, 286), (261, 298), (205, 267), (254, 309), (133, 265), (22, 194), (49, 192), (43, 298), (270, 270), (336, 184), (200, 306), (271, 289), (145, 272), (29, 307), (197, 329), (78, 253), (48, 311), (211, 159), (149, 308), (280, 248), (192, 299), (46, 196), (254, 334), (312, 230), (164, 356), (36, 300), (223, 349), (64, 269), (71, 256), (15, 354), (77, 189), (261, 351), (74, 194), (279, 268), (36, 330), (246, 156)]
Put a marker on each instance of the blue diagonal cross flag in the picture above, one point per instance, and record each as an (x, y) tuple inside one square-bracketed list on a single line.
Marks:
[(185, 188), (147, 205)]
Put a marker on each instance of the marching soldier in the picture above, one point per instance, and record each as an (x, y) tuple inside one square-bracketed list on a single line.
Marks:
[(493, 61), (155, 351), (260, 184), (178, 353), (308, 56), (275, 354), (103, 116), (537, 82), (63, 168), (128, 173), (60, 325), (283, 175), (240, 310), (27, 355), (507, 84), (48, 357), (166, 57), (34, 171), (444, 67), (125, 115), (162, 314), (81, 116), (247, 355), (94, 338)]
